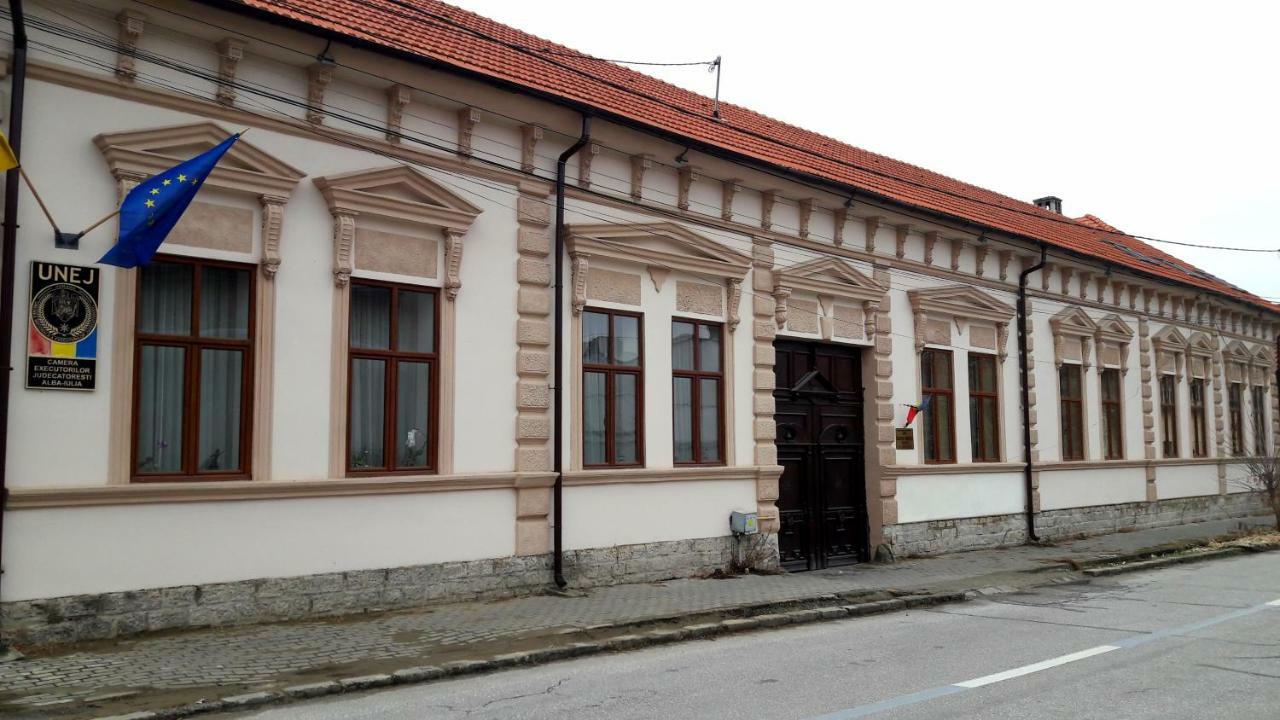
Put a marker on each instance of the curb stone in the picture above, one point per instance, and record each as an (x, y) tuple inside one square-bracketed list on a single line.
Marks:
[(835, 607), (408, 675), (662, 636), (311, 690), (249, 699), (1154, 563), (831, 607), (360, 682)]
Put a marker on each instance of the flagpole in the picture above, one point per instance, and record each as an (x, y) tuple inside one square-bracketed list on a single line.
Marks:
[(39, 200), (103, 219)]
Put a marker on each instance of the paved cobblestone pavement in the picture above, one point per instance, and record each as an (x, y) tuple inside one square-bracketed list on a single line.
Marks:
[(224, 661)]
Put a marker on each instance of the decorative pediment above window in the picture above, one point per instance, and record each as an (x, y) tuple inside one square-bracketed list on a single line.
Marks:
[(1262, 356), (398, 193), (1171, 350), (1261, 365), (960, 303), (135, 155), (402, 194), (1248, 364), (1236, 351), (1201, 349), (1073, 333), (829, 276), (831, 279), (1200, 344), (1113, 337), (1170, 337), (1113, 328), (138, 154), (661, 247)]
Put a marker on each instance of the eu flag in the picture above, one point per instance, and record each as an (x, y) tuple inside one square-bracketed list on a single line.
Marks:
[(151, 210)]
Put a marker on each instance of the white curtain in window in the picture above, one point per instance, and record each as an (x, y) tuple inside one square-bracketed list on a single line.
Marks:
[(370, 328), (164, 308), (593, 413), (682, 401), (221, 378), (368, 397), (224, 313), (160, 401), (413, 412)]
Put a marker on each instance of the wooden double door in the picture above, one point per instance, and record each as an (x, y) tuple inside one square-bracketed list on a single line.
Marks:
[(822, 500)]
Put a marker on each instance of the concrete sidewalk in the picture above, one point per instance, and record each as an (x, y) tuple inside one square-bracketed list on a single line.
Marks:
[(159, 671)]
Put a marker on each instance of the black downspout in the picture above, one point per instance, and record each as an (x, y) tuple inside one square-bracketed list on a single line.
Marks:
[(8, 249), (557, 433), (1025, 387)]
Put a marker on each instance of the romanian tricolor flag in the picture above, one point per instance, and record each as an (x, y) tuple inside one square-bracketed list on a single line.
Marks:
[(40, 346), (914, 410)]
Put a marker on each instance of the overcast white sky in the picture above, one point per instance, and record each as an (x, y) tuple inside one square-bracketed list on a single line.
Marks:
[(1162, 118)]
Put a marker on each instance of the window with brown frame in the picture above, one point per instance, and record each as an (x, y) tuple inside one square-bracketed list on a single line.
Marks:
[(938, 419), (984, 401), (1112, 419), (1199, 431), (393, 378), (612, 389), (193, 360), (1169, 415), (1259, 420), (697, 392), (1235, 397), (1071, 397)]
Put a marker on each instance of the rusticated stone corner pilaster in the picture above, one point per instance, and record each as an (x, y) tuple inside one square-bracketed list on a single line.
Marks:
[(1148, 402), (1032, 415), (762, 358), (881, 334), (533, 368)]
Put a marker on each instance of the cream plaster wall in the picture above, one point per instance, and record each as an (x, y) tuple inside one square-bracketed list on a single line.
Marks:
[(942, 497), (1174, 481), (658, 306), (1084, 487), (424, 528), (604, 515), (305, 293), (67, 551), (1237, 478)]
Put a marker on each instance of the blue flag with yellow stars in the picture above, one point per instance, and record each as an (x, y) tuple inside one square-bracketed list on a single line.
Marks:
[(151, 210)]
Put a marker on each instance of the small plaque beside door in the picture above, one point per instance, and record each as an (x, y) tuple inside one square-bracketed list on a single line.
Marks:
[(906, 438)]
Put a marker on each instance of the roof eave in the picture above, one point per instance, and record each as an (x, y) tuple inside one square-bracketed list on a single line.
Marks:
[(693, 143)]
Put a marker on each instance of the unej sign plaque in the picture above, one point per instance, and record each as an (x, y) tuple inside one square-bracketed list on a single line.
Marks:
[(62, 334)]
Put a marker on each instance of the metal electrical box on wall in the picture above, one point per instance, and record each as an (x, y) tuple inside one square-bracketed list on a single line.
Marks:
[(744, 523)]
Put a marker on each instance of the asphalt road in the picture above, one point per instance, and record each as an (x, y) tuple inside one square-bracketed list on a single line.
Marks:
[(1194, 641)]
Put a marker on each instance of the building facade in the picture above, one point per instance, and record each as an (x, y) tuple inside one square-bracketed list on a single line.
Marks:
[(333, 389)]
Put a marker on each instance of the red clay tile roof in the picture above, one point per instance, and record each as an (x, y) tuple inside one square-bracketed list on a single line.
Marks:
[(454, 37), (1094, 221)]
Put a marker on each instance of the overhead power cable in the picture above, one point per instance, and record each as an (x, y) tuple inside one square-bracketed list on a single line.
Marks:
[(780, 175), (185, 68), (433, 19), (298, 102)]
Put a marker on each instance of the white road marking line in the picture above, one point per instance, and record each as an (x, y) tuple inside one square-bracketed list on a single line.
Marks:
[(1036, 667), (1129, 642)]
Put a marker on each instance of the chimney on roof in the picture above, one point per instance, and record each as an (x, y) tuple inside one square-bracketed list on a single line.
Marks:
[(1049, 202)]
